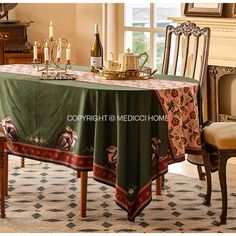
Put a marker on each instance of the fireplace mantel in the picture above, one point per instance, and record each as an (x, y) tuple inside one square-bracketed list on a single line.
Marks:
[(223, 38), (217, 22)]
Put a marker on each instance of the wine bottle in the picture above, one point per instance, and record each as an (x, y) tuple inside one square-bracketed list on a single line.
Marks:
[(96, 56)]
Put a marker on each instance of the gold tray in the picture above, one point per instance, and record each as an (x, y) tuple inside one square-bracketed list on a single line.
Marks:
[(142, 74)]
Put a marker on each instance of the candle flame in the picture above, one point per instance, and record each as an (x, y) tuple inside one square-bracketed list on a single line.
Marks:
[(35, 43), (50, 22), (68, 45), (46, 44)]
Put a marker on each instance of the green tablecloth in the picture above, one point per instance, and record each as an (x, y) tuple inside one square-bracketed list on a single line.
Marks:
[(76, 124)]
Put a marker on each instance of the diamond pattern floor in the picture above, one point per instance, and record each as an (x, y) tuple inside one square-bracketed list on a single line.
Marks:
[(45, 198)]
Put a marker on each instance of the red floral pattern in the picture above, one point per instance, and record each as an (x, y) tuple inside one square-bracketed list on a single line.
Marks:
[(174, 93), (183, 123)]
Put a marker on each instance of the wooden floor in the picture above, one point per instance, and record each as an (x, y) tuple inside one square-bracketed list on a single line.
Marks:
[(185, 168)]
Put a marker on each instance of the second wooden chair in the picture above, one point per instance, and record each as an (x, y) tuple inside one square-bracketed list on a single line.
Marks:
[(186, 56)]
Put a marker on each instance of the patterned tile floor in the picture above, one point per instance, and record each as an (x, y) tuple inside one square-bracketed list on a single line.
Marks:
[(45, 198)]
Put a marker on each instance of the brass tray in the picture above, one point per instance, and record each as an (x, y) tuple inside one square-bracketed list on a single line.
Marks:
[(141, 74)]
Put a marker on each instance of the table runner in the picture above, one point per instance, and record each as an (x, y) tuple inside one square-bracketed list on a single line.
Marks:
[(125, 154)]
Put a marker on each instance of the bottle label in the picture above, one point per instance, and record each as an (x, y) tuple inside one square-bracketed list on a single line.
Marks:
[(96, 61)]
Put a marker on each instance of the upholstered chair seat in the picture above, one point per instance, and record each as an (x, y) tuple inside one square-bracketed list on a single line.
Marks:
[(221, 135)]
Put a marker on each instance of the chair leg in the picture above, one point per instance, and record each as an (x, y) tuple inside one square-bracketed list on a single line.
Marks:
[(206, 162), (78, 174), (2, 182), (200, 173), (22, 164), (83, 193), (223, 186), (6, 174), (159, 184)]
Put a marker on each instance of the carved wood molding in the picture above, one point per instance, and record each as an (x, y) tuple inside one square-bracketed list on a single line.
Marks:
[(3, 36), (188, 28), (214, 75), (215, 72), (226, 118)]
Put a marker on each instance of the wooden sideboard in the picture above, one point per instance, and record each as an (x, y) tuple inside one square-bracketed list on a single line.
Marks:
[(19, 57)]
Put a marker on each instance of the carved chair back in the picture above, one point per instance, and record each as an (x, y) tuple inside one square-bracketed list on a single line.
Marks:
[(3, 39), (186, 31)]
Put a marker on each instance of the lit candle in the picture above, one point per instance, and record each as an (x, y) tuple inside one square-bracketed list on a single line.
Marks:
[(68, 53), (35, 51), (59, 49), (50, 30), (46, 57)]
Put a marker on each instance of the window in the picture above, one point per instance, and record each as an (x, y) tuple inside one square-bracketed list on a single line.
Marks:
[(144, 28)]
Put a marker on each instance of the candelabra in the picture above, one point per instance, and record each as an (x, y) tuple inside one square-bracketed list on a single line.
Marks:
[(53, 64)]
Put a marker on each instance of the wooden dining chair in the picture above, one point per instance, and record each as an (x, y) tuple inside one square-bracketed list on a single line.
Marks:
[(2, 142), (3, 175), (186, 54), (219, 137), (3, 39)]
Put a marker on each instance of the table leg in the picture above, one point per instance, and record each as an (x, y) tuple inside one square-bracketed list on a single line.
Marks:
[(6, 174), (83, 193), (78, 174), (159, 183), (22, 163), (2, 181)]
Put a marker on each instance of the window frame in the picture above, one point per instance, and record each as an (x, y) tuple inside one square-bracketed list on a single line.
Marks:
[(152, 30)]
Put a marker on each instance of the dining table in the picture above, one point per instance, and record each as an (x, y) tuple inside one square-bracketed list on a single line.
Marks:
[(125, 132)]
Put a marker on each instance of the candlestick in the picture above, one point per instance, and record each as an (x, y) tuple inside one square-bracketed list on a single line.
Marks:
[(59, 49), (35, 51), (50, 30), (68, 53), (53, 61), (46, 56)]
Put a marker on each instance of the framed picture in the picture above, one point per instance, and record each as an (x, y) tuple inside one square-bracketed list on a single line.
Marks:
[(204, 9)]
